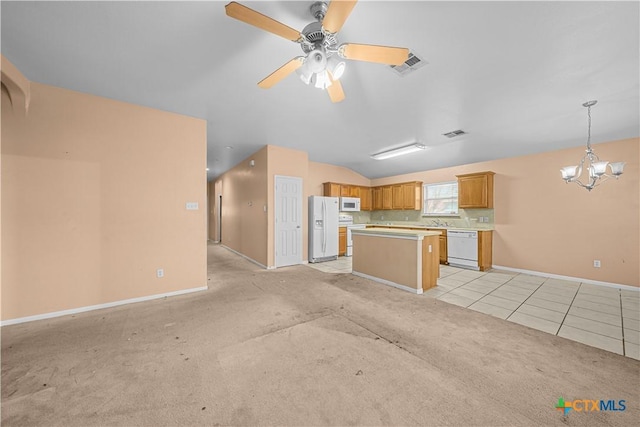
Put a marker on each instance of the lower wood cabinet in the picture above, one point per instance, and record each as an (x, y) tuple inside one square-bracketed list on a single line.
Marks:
[(443, 249), (485, 249), (443, 244), (342, 241)]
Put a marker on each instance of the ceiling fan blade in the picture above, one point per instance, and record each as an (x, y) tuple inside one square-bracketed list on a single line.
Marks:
[(337, 13), (335, 90), (251, 17), (373, 53), (280, 73)]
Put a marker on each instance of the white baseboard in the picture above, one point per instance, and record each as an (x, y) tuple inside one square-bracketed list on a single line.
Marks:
[(98, 306), (247, 258), (388, 282), (573, 279)]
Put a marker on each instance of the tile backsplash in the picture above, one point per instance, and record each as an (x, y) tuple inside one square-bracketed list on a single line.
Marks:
[(474, 218)]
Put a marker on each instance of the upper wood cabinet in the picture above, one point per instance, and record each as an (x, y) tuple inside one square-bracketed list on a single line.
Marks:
[(397, 201), (406, 195), (386, 197), (331, 189), (475, 190), (412, 195), (366, 203), (376, 195)]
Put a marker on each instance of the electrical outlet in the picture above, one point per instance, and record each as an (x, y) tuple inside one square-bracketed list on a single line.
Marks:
[(160, 273), (406, 218), (192, 206), (596, 263)]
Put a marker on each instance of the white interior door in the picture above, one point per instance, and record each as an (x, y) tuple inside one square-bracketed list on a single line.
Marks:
[(288, 216)]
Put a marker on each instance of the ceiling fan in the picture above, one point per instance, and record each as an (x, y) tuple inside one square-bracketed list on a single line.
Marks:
[(321, 64)]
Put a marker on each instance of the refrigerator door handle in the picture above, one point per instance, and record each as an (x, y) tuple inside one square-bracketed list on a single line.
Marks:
[(324, 226)]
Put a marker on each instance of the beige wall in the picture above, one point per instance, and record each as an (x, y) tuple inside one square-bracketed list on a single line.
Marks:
[(244, 195), (93, 202), (545, 225)]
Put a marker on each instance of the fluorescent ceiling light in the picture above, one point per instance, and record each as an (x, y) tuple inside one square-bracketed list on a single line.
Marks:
[(399, 151)]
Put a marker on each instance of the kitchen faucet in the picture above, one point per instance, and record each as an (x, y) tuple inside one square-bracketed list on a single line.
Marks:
[(437, 223)]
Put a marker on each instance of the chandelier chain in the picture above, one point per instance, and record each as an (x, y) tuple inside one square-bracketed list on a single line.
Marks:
[(589, 132)]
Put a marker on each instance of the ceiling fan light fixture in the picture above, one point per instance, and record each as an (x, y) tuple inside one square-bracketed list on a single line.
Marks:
[(317, 61), (304, 73), (321, 80), (335, 66), (400, 151)]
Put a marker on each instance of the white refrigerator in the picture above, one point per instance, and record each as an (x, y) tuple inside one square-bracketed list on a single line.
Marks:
[(323, 228)]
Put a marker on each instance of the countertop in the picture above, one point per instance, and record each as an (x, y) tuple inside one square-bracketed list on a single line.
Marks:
[(430, 227), (392, 231)]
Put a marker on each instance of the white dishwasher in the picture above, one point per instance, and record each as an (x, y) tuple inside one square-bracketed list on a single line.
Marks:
[(462, 248)]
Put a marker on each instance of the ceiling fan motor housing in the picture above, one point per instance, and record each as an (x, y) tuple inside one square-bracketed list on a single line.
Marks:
[(316, 37)]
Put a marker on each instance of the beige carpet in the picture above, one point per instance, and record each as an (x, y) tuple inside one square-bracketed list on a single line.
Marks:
[(296, 346)]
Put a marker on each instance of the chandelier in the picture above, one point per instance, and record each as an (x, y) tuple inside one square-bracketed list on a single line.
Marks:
[(590, 162)]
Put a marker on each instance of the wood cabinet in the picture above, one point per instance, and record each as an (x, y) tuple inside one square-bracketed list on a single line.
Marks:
[(376, 195), (331, 189), (485, 249), (397, 197), (475, 190), (406, 195), (366, 202), (443, 244), (386, 197), (412, 195), (342, 241)]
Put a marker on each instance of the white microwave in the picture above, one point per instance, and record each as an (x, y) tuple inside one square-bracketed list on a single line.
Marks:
[(349, 204)]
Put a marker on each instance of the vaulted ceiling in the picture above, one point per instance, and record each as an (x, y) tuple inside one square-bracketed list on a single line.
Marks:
[(513, 75)]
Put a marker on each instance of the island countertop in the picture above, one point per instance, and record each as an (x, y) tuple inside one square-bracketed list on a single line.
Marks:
[(395, 232), (429, 227)]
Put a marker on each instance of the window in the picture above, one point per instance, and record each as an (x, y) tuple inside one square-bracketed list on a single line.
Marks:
[(440, 198)]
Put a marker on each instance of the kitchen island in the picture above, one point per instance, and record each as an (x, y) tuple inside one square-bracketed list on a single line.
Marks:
[(405, 259)]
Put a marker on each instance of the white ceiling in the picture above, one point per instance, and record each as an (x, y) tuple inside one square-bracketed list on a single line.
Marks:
[(511, 74)]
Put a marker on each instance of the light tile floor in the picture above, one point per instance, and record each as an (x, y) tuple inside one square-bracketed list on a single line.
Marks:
[(599, 316)]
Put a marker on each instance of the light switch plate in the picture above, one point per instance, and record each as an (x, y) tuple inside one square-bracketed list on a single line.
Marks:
[(192, 206)]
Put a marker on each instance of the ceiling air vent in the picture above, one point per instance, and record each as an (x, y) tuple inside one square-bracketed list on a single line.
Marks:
[(454, 133), (413, 63)]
